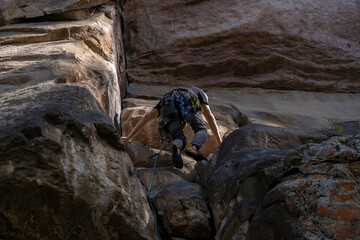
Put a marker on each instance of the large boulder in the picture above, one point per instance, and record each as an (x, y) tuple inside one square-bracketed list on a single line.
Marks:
[(319, 197), (64, 173), (251, 180), (182, 209), (180, 203)]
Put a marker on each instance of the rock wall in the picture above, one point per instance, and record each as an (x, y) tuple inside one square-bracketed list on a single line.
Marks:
[(287, 65), (260, 189), (319, 195), (293, 64), (278, 76), (83, 50), (298, 45), (263, 182), (63, 172)]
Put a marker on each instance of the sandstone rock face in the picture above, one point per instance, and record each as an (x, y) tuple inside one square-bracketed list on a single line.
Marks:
[(298, 45), (82, 53), (258, 189), (288, 65), (144, 157), (16, 10), (64, 174), (276, 71), (179, 201)]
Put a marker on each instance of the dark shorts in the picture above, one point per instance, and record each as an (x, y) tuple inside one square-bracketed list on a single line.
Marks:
[(197, 124)]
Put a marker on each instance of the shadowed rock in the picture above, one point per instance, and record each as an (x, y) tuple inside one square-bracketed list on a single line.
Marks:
[(318, 198), (63, 171), (250, 178), (182, 209), (60, 176)]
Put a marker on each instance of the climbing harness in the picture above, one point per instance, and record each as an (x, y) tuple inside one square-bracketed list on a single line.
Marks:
[(151, 179), (164, 134)]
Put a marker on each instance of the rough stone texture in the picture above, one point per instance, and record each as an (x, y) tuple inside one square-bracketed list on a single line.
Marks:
[(63, 171), (82, 53), (149, 133), (256, 187), (288, 65), (240, 173), (17, 10), (65, 175), (321, 200), (182, 209), (298, 45), (178, 200)]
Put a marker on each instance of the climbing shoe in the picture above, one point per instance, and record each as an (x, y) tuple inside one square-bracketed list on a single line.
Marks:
[(198, 156), (176, 157)]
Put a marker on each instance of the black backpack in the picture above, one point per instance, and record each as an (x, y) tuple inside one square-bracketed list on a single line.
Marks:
[(169, 109), (175, 105)]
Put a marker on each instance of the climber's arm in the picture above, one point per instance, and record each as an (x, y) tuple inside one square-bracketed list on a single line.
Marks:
[(154, 113), (209, 116)]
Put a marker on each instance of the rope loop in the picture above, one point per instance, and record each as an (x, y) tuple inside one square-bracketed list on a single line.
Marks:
[(149, 189)]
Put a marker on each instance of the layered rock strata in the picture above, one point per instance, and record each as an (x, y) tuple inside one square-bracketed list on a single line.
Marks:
[(63, 172), (292, 65), (297, 45), (83, 52)]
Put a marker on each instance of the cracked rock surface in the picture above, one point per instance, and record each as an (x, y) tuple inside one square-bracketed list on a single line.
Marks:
[(297, 185)]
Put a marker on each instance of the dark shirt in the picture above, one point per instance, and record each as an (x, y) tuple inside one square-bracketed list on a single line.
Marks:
[(203, 98)]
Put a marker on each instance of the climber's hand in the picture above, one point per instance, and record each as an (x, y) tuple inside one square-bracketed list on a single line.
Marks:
[(125, 139)]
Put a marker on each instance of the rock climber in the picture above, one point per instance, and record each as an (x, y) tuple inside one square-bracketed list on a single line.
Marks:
[(182, 105)]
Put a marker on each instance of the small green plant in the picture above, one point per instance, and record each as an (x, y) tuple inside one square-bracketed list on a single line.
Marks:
[(339, 128), (336, 126)]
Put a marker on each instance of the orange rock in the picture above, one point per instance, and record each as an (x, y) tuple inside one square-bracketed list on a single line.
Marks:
[(355, 169), (328, 153), (348, 213)]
